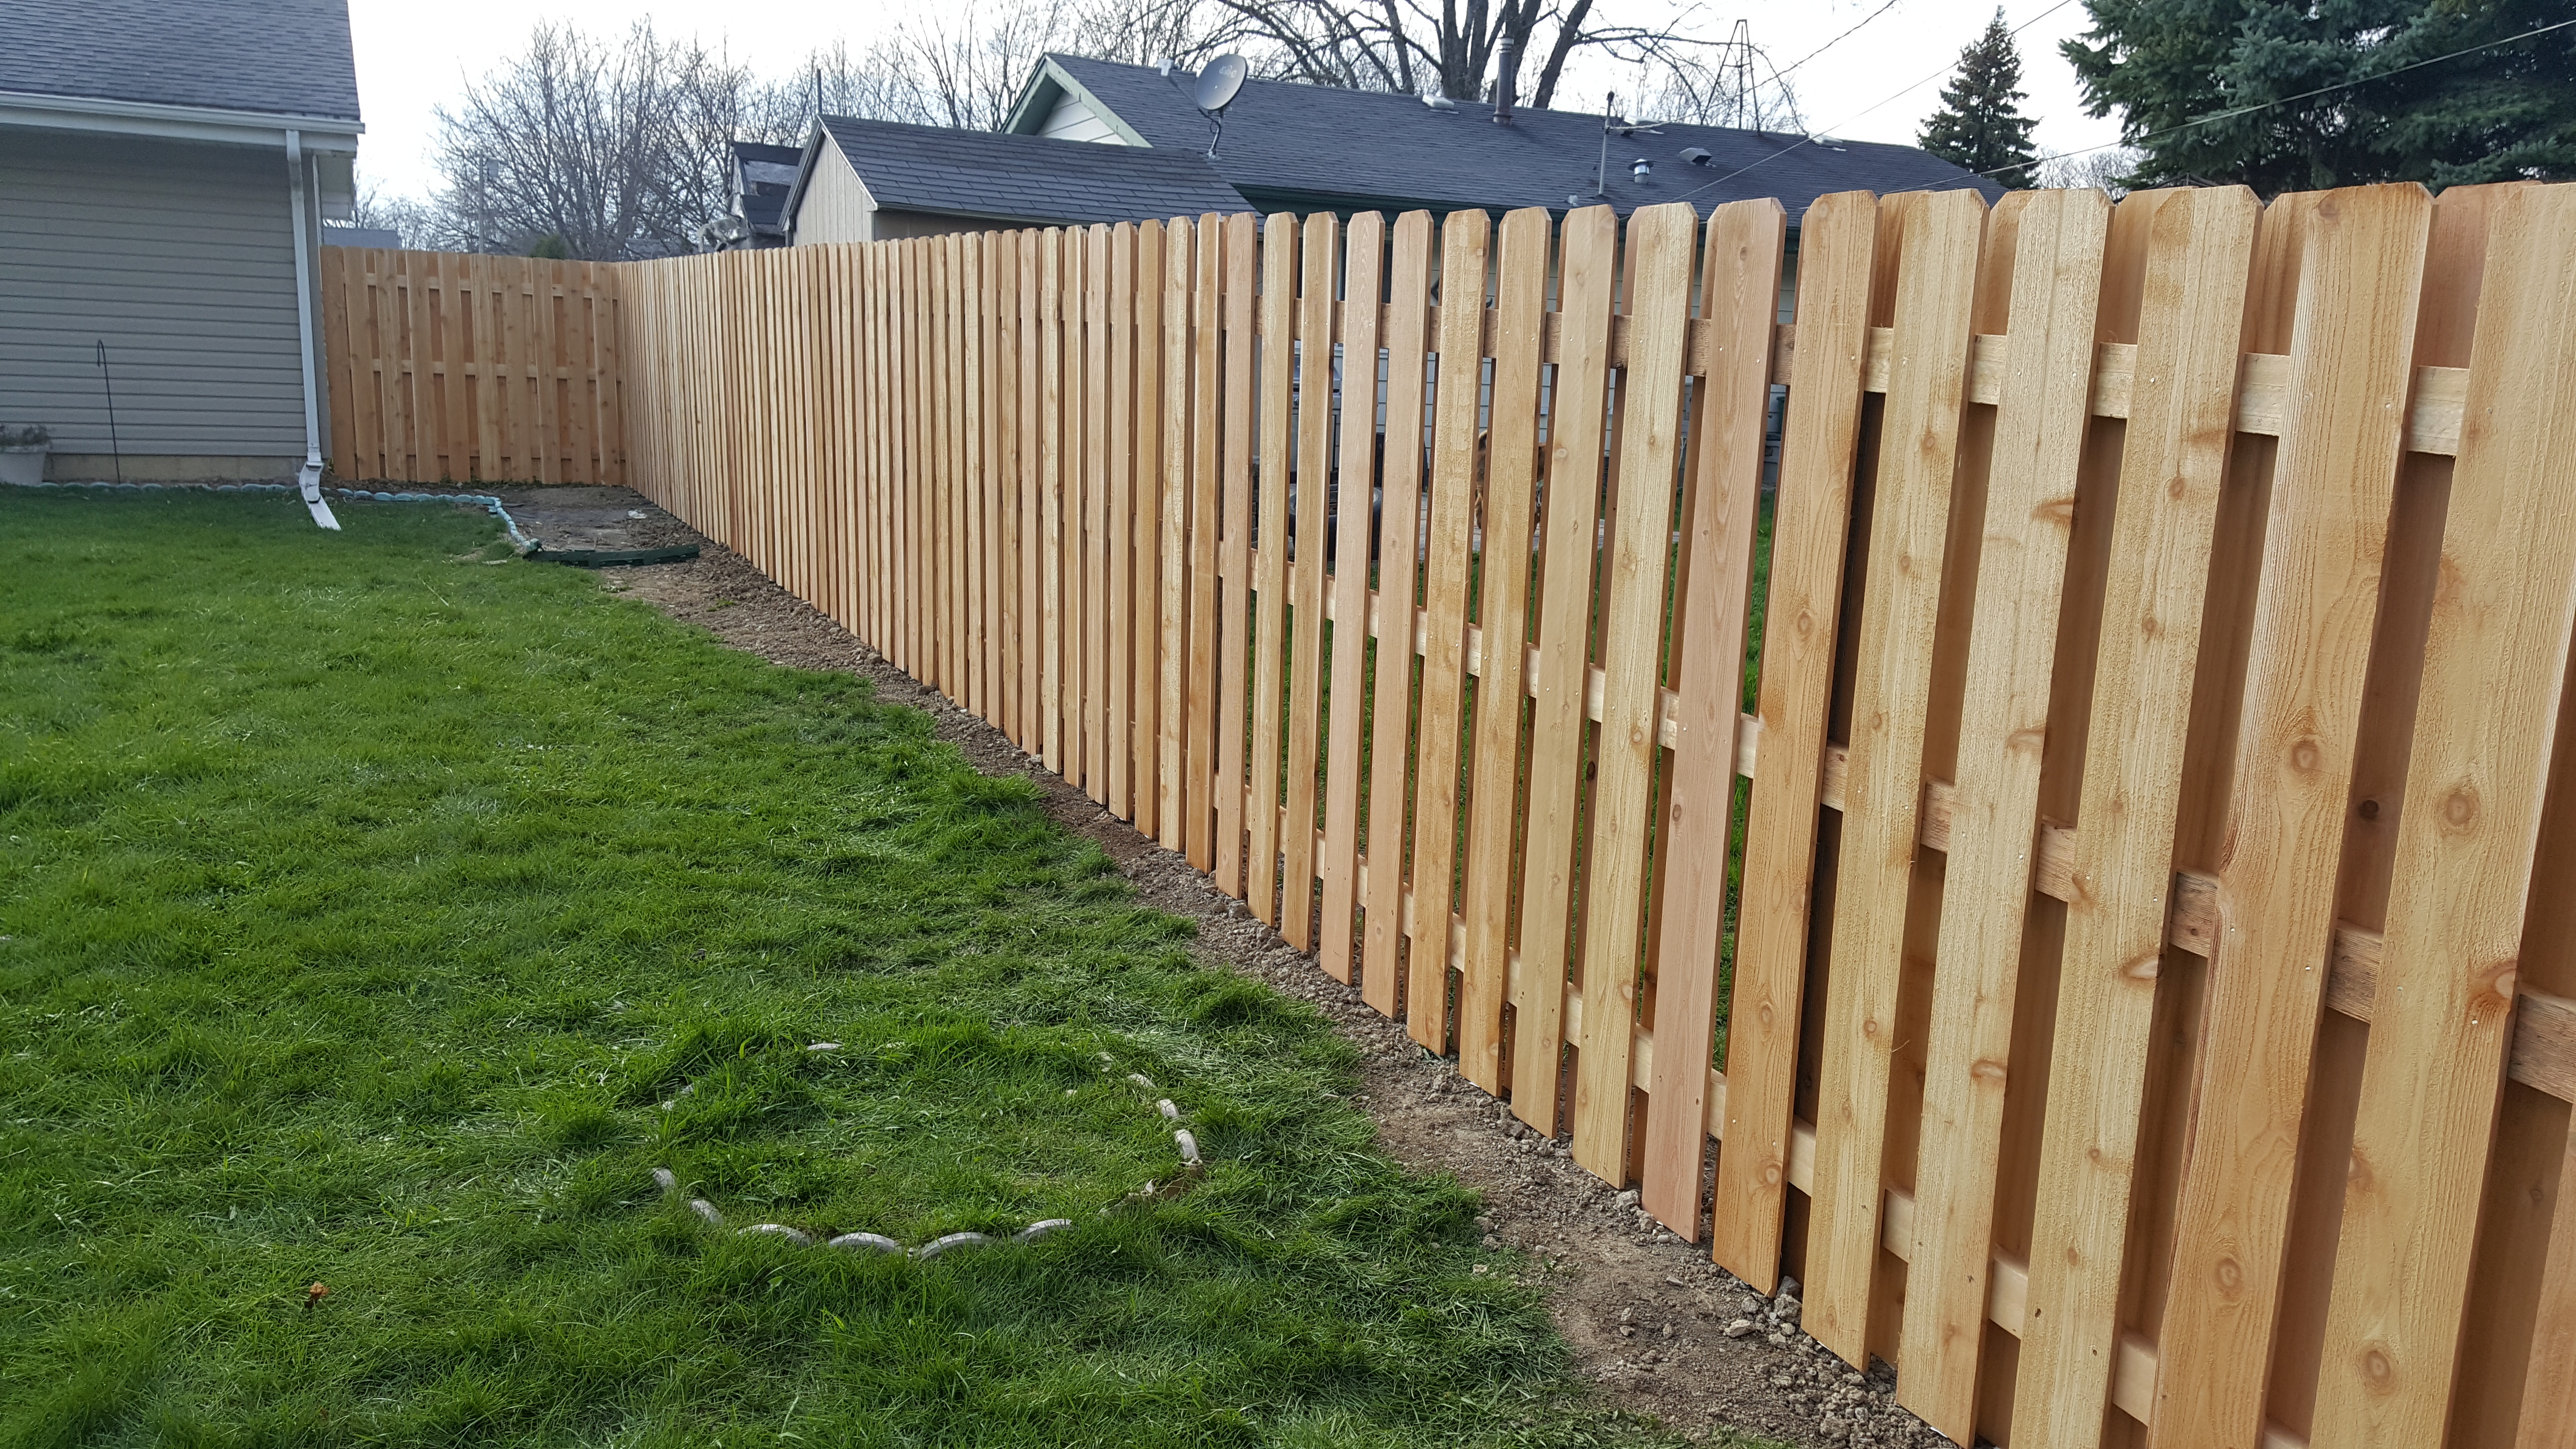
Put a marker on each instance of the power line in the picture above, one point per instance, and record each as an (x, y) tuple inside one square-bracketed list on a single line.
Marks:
[(1837, 40), (1810, 140), (2282, 101)]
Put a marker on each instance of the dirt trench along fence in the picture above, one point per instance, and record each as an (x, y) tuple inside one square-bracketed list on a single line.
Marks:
[(2139, 1022), (454, 368)]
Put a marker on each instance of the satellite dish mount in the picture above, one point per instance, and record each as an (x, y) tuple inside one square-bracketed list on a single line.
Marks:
[(1216, 90)]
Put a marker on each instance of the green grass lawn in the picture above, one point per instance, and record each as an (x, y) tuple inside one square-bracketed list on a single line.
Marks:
[(365, 895)]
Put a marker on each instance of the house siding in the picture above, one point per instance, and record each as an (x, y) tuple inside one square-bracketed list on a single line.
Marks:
[(836, 206), (178, 256), (1071, 120)]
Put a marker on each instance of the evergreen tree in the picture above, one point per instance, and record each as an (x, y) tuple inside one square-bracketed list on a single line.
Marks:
[(2504, 113), (1979, 126)]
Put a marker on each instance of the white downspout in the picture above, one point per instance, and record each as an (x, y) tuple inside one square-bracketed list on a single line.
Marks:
[(308, 478)]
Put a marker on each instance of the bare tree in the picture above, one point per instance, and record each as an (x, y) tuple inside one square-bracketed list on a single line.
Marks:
[(418, 223), (2107, 170), (967, 69), (1408, 46), (618, 150), (1730, 83)]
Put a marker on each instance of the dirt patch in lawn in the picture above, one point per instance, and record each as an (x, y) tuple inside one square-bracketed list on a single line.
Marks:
[(1647, 1315)]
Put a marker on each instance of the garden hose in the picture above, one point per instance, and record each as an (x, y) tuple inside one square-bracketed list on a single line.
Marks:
[(519, 541)]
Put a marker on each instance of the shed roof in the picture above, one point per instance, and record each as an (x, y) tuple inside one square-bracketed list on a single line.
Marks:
[(288, 57), (1286, 141), (1025, 178)]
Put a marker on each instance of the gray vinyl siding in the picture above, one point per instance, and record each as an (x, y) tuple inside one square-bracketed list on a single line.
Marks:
[(179, 256)]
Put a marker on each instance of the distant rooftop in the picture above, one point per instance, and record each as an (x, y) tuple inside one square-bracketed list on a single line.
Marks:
[(1026, 178), (764, 176), (1287, 142), (288, 57)]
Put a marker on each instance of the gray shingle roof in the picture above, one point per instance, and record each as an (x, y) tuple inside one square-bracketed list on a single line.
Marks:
[(1370, 151), (1027, 178), (285, 56)]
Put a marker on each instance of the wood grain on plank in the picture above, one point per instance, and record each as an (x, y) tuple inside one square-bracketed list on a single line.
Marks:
[(941, 536), (340, 276), (1559, 720), (1633, 574), (2467, 832), (2056, 280), (1086, 432), (1390, 786), (1145, 608), (1270, 557), (979, 481), (2360, 271), (2549, 1390), (1119, 530), (1207, 412), (1935, 282), (1103, 461), (2198, 246), (1172, 643), (1241, 261), (1312, 473), (929, 492), (1117, 706), (1364, 278), (1011, 398), (1810, 530), (1051, 501), (2409, 580), (1066, 539), (1739, 295), (1466, 242), (1493, 800), (1146, 612)]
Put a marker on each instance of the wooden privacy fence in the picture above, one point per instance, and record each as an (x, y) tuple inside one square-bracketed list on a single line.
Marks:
[(2138, 1023), (454, 368)]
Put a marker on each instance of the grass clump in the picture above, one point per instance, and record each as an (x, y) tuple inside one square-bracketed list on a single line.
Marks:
[(367, 894)]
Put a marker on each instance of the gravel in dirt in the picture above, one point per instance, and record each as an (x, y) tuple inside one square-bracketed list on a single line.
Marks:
[(1647, 1315)]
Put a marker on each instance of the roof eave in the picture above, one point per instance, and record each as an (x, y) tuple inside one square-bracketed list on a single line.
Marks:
[(1022, 221), (177, 123)]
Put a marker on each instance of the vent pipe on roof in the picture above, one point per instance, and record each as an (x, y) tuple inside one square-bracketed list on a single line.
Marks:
[(1503, 69)]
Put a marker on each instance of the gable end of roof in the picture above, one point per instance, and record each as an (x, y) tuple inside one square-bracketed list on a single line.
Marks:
[(1050, 83)]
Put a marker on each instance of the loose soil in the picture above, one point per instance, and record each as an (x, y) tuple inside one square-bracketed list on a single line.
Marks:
[(1646, 1314)]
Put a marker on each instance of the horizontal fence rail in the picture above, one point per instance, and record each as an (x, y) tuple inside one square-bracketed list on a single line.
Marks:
[(447, 367), (2014, 796)]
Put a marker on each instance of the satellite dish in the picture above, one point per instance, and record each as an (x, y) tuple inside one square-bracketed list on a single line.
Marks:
[(1216, 91), (1219, 83)]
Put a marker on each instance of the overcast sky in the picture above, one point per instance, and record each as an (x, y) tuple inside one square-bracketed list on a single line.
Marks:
[(413, 57)]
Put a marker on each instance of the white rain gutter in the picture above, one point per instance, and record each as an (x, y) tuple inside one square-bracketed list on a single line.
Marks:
[(308, 479), (177, 123)]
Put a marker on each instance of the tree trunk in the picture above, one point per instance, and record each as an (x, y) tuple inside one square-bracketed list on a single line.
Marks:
[(1569, 33)]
